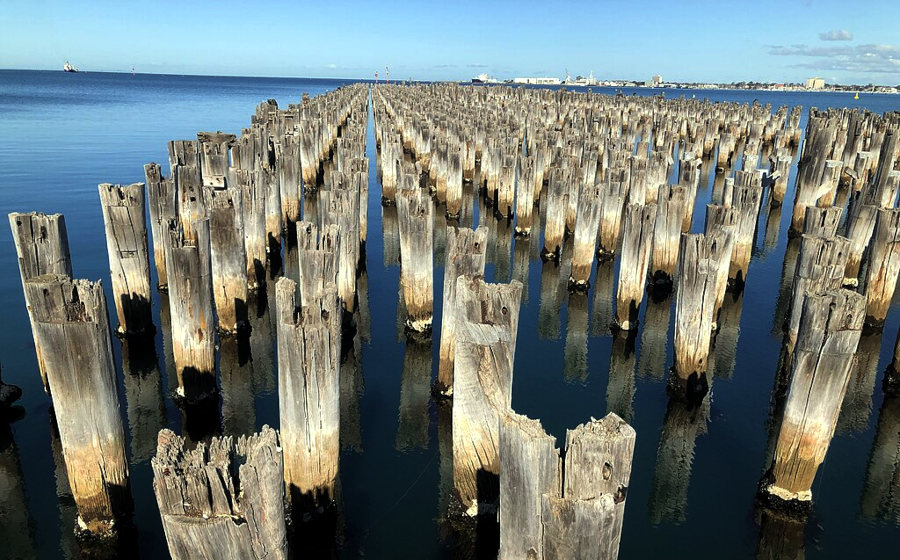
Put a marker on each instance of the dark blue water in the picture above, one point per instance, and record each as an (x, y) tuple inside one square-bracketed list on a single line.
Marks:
[(63, 134)]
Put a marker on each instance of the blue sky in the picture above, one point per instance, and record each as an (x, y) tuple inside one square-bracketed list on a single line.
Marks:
[(779, 41)]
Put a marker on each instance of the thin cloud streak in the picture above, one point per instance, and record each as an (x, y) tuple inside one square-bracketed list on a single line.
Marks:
[(868, 59), (836, 35)]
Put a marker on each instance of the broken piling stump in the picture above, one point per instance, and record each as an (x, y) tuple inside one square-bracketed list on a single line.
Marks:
[(222, 500)]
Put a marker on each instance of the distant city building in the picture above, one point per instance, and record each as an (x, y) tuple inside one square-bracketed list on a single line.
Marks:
[(815, 83), (538, 81), (655, 81)]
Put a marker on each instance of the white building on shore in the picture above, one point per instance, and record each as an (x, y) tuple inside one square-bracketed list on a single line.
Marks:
[(538, 81), (815, 83)]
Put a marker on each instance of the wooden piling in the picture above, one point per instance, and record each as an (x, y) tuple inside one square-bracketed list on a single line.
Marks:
[(42, 247), (529, 468), (830, 328), (72, 327), (586, 226), (586, 520), (636, 244), (482, 386), (309, 393), (162, 196), (672, 204), (883, 266), (703, 257), (224, 500), (465, 257), (126, 244), (415, 211), (190, 303)]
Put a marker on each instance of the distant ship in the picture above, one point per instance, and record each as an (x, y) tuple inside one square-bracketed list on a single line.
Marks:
[(484, 79), (580, 81), (69, 68)]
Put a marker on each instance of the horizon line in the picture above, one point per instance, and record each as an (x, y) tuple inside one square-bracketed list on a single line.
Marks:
[(372, 80)]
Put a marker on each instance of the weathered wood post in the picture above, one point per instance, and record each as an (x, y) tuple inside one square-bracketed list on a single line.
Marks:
[(525, 196), (614, 196), (585, 521), (414, 209), (820, 269), (42, 247), (129, 264), (883, 266), (703, 259), (190, 303), (224, 500), (529, 468), (465, 257), (587, 223), (672, 204), (162, 196), (555, 222), (227, 258), (830, 328), (636, 245), (554, 507), (859, 232), (253, 218), (72, 327), (482, 385), (309, 392)]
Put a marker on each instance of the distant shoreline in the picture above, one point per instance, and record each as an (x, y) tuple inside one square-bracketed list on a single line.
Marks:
[(626, 85)]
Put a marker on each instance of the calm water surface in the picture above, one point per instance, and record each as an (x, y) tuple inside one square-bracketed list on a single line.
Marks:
[(694, 478)]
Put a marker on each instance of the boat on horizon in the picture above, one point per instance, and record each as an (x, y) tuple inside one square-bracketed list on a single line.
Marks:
[(484, 79), (69, 68)]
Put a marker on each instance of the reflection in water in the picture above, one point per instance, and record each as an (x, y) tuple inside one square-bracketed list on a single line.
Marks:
[(773, 226), (620, 390), (363, 318), (66, 502), (521, 261), (503, 253), (554, 287), (236, 380), (352, 389), (439, 220), (655, 337), (881, 492), (143, 396), (16, 527), (165, 324), (857, 405), (602, 306), (575, 357), (723, 356), (780, 536), (415, 393), (445, 469), (548, 310), (675, 457), (401, 312), (486, 218), (262, 343), (390, 231)]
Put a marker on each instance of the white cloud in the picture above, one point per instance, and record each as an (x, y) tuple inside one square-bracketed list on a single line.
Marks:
[(836, 35), (868, 59)]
